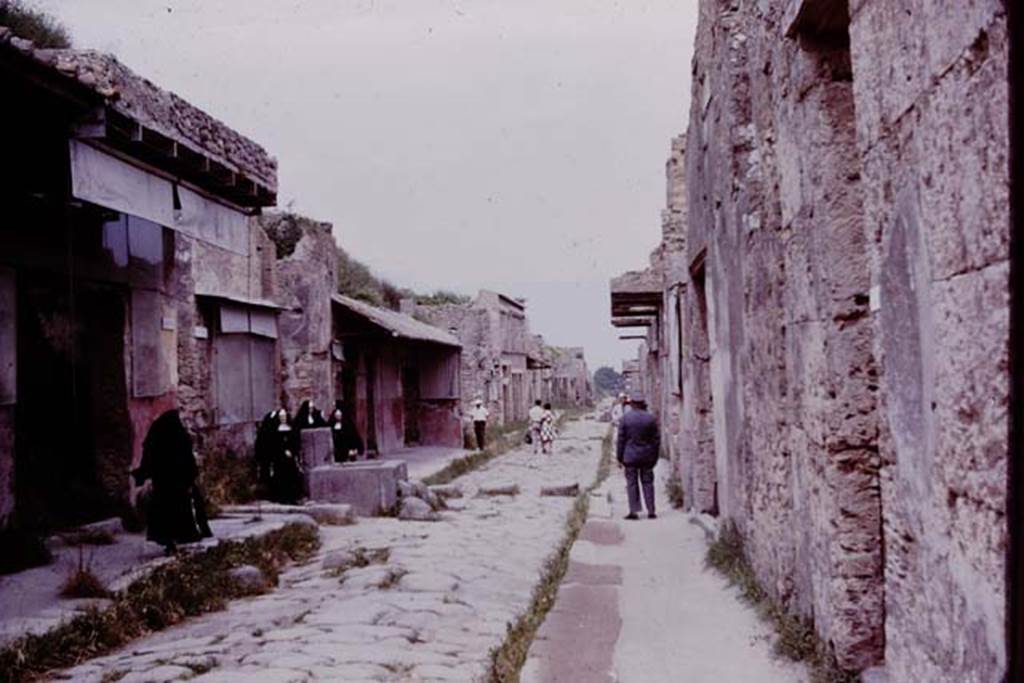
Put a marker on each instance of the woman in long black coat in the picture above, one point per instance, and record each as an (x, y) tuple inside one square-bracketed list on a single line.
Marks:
[(176, 510)]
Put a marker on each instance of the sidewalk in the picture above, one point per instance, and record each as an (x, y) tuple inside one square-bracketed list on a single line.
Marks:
[(638, 605), (423, 461), (30, 600)]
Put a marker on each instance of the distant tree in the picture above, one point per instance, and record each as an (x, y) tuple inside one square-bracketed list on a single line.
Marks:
[(607, 381), (39, 27)]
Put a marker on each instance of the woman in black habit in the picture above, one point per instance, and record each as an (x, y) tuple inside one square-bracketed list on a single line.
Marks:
[(347, 443), (176, 512), (309, 417), (277, 458)]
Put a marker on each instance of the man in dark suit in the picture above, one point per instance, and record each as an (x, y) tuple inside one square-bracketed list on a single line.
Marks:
[(637, 451)]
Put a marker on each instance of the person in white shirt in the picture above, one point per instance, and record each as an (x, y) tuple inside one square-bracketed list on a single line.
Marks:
[(536, 416), (479, 415)]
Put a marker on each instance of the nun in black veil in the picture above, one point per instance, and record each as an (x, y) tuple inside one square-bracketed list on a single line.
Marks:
[(277, 458), (347, 443), (309, 417), (177, 511)]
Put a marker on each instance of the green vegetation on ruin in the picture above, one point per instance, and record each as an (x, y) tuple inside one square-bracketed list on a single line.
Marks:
[(39, 27)]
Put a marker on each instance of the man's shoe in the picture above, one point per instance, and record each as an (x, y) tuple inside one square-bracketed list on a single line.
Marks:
[(631, 515), (651, 515)]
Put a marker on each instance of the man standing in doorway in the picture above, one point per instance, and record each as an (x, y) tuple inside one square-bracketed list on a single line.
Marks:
[(536, 415), (637, 452), (479, 415)]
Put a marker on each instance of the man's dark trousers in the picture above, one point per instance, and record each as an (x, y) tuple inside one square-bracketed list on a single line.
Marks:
[(480, 427), (637, 477)]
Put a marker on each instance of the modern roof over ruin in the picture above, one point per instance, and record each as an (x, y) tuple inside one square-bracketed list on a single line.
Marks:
[(636, 296), (398, 324), (136, 118)]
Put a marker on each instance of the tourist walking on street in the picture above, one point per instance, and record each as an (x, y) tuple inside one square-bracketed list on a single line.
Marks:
[(547, 429), (536, 414), (479, 415), (637, 451)]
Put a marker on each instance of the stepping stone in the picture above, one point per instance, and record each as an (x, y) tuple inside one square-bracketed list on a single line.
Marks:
[(504, 490), (447, 491), (570, 490)]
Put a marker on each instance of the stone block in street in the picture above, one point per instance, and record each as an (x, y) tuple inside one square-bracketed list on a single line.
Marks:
[(317, 447), (447, 491), (571, 490), (503, 490), (112, 526), (370, 487)]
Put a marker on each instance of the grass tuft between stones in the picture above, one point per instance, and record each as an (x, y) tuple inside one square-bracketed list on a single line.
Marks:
[(674, 488), (797, 639), (507, 659), (187, 586)]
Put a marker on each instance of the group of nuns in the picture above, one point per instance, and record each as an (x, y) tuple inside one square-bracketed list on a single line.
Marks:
[(176, 509), (279, 442)]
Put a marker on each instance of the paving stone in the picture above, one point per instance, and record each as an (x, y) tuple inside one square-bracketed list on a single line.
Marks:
[(160, 674), (339, 560), (428, 581), (439, 620)]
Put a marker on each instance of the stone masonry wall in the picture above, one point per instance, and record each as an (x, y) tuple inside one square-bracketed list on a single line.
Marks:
[(930, 89), (199, 266), (842, 274), (305, 280)]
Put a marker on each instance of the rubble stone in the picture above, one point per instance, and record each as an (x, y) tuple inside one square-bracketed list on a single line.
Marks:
[(415, 509), (249, 578)]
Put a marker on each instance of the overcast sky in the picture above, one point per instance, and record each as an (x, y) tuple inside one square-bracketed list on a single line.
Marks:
[(509, 144)]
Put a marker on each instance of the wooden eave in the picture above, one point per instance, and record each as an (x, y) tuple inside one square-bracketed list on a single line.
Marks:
[(110, 129)]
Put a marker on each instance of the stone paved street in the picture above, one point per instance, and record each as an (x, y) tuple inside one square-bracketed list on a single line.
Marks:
[(429, 608)]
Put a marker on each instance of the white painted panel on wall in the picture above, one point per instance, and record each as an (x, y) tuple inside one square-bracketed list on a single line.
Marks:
[(102, 179), (263, 322), (234, 319)]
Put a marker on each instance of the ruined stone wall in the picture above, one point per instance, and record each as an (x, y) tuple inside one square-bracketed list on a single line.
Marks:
[(930, 90), (775, 214), (305, 271), (845, 250), (203, 267)]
